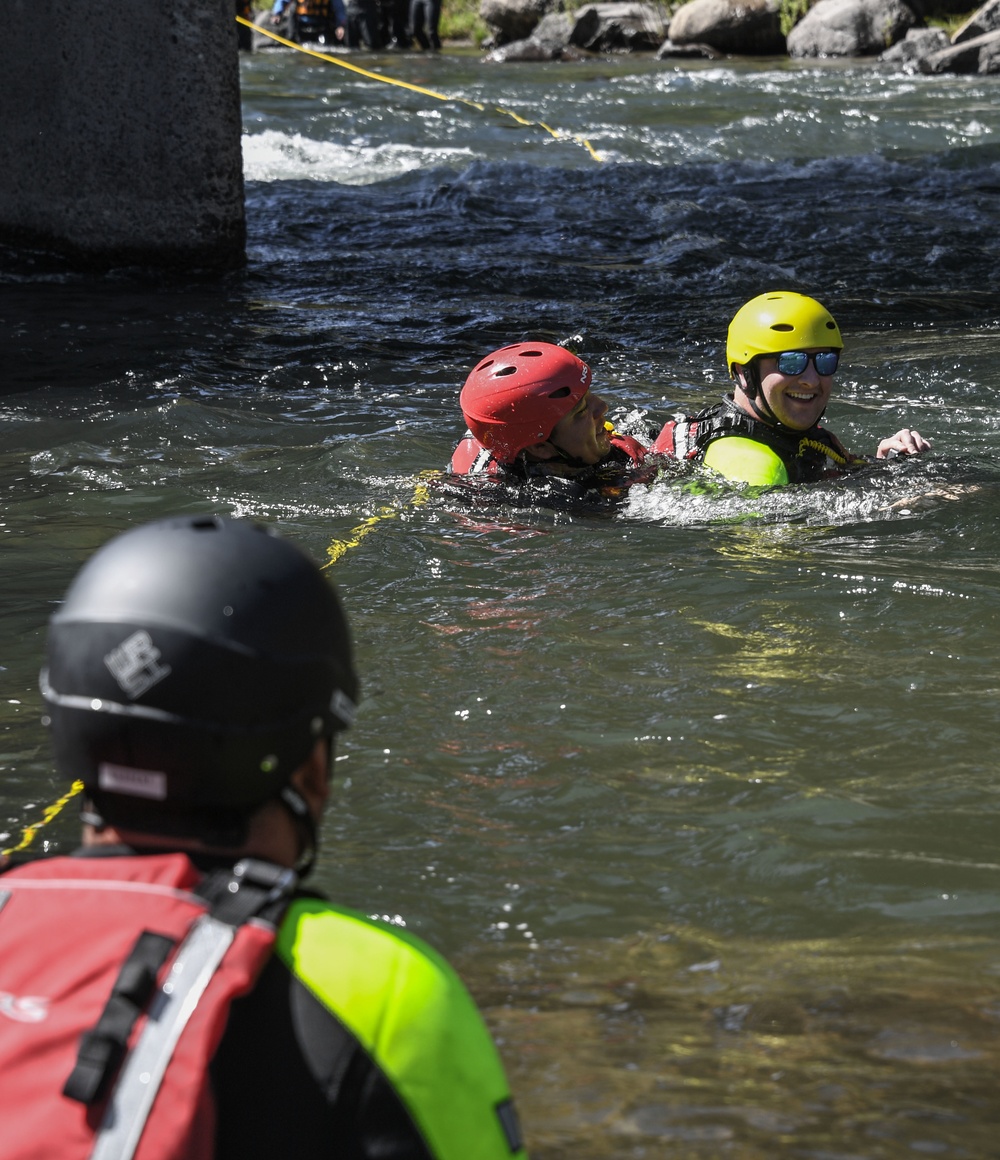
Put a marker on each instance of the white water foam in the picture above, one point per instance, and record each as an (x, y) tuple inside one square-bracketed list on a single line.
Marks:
[(276, 156), (672, 503)]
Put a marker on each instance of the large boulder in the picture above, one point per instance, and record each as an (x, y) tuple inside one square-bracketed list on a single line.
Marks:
[(612, 27), (979, 55), (985, 19), (850, 28), (553, 32), (739, 27), (619, 27), (514, 19), (549, 40), (916, 45)]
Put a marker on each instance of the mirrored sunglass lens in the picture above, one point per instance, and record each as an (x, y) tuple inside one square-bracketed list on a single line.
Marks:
[(792, 362)]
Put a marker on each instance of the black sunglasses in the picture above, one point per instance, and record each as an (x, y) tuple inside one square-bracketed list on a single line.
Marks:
[(794, 362)]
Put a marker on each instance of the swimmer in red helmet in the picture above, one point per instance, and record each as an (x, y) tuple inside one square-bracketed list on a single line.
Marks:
[(536, 426)]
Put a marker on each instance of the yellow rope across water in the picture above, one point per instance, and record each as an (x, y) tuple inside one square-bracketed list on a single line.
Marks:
[(30, 832), (337, 548), (373, 76)]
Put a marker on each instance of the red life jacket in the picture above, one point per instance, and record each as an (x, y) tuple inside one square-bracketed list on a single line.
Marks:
[(677, 439), (470, 457), (116, 980)]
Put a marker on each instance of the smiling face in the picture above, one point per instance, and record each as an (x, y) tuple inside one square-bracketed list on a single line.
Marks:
[(797, 401), (581, 434)]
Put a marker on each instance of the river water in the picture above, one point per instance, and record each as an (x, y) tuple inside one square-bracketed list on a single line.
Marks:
[(701, 798)]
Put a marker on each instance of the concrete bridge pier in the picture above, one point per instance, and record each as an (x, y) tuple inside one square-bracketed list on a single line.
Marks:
[(120, 131)]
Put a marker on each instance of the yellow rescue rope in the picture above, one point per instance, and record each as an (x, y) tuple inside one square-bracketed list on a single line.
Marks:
[(337, 548), (845, 460), (373, 76), (30, 832)]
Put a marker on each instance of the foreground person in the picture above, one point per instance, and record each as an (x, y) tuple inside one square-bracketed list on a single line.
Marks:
[(168, 986), (537, 430), (783, 350)]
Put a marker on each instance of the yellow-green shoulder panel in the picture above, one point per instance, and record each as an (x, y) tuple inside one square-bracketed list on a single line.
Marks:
[(746, 461), (411, 1012)]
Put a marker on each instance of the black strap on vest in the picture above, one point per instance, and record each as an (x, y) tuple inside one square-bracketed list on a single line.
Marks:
[(249, 889), (103, 1047)]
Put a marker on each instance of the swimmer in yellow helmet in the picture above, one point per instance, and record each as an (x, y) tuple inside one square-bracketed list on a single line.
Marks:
[(783, 350)]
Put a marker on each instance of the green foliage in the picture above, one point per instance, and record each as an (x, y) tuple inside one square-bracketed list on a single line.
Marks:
[(951, 22), (790, 12), (460, 21)]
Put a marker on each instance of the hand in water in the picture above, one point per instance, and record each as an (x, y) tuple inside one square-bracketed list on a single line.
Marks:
[(905, 442)]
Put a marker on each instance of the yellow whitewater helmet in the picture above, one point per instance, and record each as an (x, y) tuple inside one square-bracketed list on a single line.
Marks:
[(776, 321)]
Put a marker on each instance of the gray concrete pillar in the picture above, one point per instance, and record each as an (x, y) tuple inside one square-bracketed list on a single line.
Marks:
[(120, 131)]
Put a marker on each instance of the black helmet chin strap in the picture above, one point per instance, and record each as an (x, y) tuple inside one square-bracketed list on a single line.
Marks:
[(302, 817), (560, 457), (750, 385), (305, 827), (755, 397), (565, 457)]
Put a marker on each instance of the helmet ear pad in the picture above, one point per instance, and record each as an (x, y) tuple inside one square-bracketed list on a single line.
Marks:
[(747, 378)]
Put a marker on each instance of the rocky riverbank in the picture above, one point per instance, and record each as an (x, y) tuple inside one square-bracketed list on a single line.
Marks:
[(891, 31)]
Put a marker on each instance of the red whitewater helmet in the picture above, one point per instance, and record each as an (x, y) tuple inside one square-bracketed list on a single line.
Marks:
[(516, 395)]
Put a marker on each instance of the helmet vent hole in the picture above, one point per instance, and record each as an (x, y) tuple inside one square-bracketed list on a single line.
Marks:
[(560, 394), (207, 524), (782, 326), (531, 354), (831, 325), (484, 366), (503, 371)]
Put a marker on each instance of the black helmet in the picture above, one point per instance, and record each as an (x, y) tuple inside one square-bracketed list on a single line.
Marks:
[(191, 669)]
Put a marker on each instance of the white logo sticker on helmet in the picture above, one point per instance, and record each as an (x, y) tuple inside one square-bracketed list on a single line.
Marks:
[(23, 1008), (135, 664), (144, 783)]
